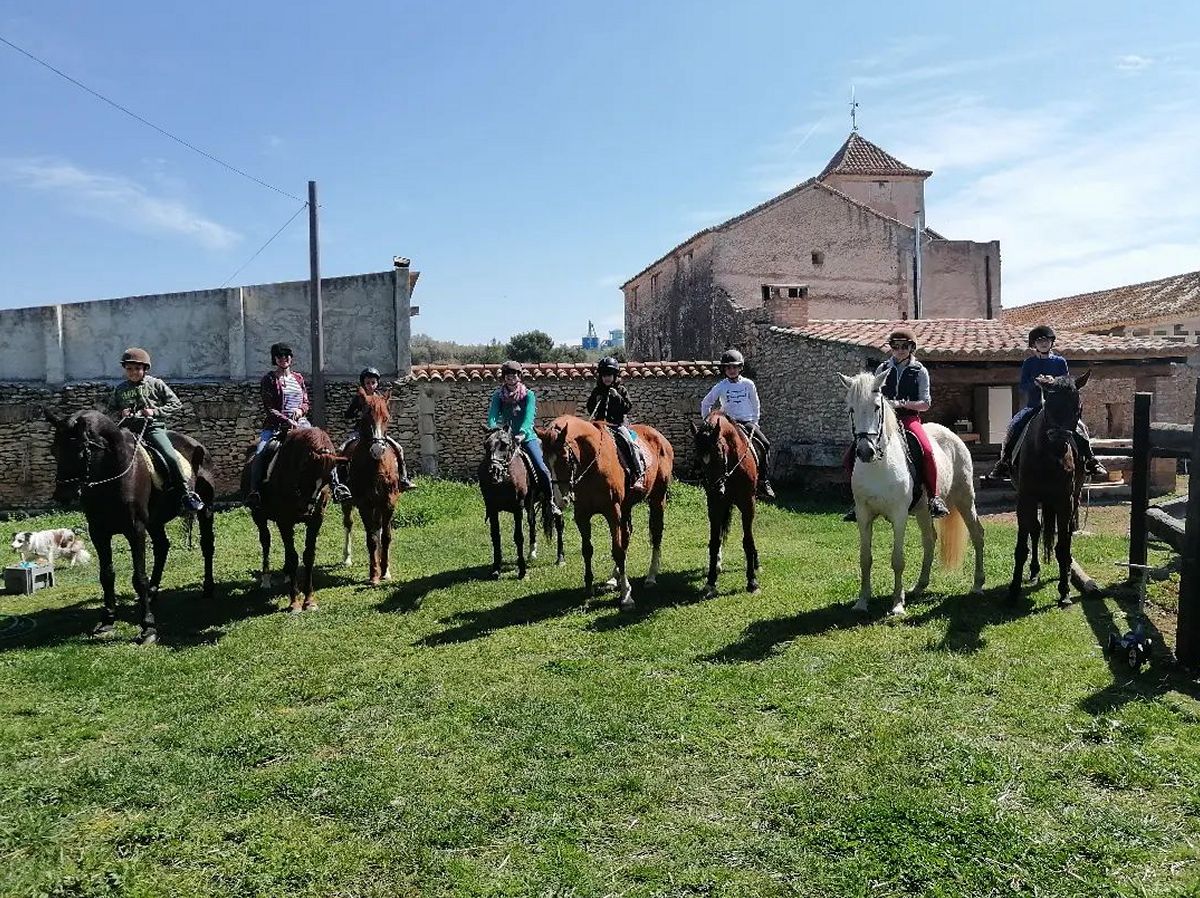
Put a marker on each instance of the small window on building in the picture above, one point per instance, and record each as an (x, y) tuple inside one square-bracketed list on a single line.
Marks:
[(818, 257), (633, 298), (654, 286), (797, 292), (766, 292)]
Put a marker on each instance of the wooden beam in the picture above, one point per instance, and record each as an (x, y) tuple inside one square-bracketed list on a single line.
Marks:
[(1187, 630), (1140, 487)]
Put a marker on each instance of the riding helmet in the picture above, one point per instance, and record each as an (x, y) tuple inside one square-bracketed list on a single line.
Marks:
[(511, 367), (1042, 330), (370, 371), (278, 350), (136, 355), (732, 357), (608, 365), (904, 333)]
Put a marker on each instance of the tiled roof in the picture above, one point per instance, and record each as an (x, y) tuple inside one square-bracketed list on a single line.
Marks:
[(1173, 297), (858, 156), (565, 371), (982, 339)]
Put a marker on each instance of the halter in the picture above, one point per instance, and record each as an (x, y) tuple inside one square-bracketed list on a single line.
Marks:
[(88, 443)]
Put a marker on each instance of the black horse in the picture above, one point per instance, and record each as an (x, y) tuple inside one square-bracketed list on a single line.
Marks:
[(99, 463), (508, 485)]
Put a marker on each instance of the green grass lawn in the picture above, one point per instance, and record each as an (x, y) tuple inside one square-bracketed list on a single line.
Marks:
[(446, 734)]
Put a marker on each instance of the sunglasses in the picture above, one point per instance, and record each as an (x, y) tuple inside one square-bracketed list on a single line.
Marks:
[(133, 366), (899, 344)]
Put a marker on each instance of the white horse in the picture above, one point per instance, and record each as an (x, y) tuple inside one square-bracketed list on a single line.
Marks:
[(883, 487)]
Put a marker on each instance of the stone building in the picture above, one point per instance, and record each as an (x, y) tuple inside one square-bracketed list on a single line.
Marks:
[(1167, 309), (840, 245)]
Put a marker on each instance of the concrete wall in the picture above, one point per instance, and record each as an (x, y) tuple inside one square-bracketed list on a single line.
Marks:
[(955, 276), (896, 197), (212, 334)]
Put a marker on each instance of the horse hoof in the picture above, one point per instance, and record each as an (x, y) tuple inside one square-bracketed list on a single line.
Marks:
[(101, 630), (626, 603), (494, 573), (560, 562), (387, 575), (374, 581), (710, 591), (523, 575), (650, 581), (1065, 602), (295, 609), (208, 591), (977, 589), (861, 606), (533, 555), (753, 588), (312, 606), (264, 581), (146, 637), (898, 611), (347, 562), (610, 583), (1036, 579)]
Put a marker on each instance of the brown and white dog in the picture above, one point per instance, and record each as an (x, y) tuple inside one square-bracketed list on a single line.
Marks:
[(49, 544)]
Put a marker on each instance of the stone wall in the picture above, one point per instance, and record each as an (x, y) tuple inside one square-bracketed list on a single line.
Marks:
[(1175, 397)]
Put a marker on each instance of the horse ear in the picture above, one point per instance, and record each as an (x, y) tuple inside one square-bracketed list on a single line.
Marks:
[(56, 419), (846, 381), (879, 379), (1081, 381)]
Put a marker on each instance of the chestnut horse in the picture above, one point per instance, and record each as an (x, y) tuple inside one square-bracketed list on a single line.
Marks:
[(507, 485), (587, 473), (296, 492), (730, 472), (1048, 476), (374, 475), (99, 463)]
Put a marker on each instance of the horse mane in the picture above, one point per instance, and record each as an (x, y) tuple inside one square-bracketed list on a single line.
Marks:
[(725, 427), (861, 391), (376, 404)]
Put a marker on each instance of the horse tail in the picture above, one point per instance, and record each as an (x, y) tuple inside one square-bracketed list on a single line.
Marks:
[(953, 541)]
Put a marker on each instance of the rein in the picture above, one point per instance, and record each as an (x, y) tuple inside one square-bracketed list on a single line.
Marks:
[(87, 461)]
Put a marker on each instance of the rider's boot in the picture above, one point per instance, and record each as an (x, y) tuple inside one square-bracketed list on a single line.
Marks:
[(340, 492), (851, 516), (937, 508), (765, 490)]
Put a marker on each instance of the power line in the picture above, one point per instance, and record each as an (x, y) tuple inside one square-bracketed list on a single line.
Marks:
[(303, 206), (149, 124)]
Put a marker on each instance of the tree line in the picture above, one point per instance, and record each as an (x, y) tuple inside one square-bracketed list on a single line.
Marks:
[(529, 346)]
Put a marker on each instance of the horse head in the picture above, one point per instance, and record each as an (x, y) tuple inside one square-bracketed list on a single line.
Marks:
[(83, 444), (303, 467), (1062, 408), (373, 422), (499, 448), (561, 458), (868, 414), (710, 451)]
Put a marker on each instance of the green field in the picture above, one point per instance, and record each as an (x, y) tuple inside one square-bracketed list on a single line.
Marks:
[(446, 734)]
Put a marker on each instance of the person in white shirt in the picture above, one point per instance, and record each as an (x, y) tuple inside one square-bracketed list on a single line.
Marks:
[(738, 398)]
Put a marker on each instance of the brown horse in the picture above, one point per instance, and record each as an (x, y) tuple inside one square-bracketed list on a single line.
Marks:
[(1048, 476), (587, 473), (99, 463), (506, 485), (296, 492), (730, 471), (374, 474)]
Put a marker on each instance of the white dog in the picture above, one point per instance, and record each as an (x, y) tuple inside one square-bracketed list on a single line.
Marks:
[(49, 544)]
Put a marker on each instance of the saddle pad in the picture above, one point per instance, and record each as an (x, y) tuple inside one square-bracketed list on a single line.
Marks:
[(157, 475)]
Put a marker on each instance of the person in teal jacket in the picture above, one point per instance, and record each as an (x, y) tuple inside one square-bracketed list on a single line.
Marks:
[(513, 407)]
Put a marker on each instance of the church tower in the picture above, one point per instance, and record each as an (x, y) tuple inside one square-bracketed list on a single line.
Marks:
[(877, 179)]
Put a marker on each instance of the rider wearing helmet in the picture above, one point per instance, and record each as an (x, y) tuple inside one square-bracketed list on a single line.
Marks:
[(1038, 369), (739, 400), (141, 404), (285, 404), (513, 406), (368, 381), (907, 388), (610, 402)]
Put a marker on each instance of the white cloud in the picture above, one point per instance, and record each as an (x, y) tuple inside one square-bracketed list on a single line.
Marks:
[(1133, 63), (116, 199)]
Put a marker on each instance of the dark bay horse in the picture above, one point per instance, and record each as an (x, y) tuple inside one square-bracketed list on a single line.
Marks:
[(102, 465), (374, 475), (587, 473), (1048, 476), (507, 485), (730, 472), (296, 492)]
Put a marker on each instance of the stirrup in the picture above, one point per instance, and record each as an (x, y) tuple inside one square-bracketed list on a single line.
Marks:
[(341, 493), (851, 516), (192, 501), (937, 508)]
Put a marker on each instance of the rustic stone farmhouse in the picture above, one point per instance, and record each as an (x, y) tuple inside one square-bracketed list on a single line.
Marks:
[(840, 245)]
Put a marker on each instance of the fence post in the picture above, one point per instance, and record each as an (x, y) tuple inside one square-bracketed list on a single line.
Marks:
[(1187, 632), (1140, 487)]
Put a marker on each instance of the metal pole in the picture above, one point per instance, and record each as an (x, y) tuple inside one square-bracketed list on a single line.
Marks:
[(1140, 487), (1187, 627), (317, 329), (918, 227)]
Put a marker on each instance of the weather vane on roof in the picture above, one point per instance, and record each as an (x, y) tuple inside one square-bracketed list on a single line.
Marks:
[(853, 111)]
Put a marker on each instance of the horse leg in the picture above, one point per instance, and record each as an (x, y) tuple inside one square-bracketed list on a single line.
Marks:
[(385, 543), (619, 526), (1039, 532), (715, 535), (264, 540), (658, 510), (1024, 508), (865, 520), (975, 529), (928, 538), (287, 533), (584, 524), (561, 558), (1063, 553), (207, 546), (108, 577), (137, 551), (530, 512), (371, 525), (748, 508), (348, 527), (162, 545), (311, 531), (519, 540), (497, 557), (898, 527)]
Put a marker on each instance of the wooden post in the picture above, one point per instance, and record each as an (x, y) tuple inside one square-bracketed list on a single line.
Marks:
[(1187, 633), (316, 395), (1140, 488)]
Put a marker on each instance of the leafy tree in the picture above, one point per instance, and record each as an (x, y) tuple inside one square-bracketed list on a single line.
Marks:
[(531, 346)]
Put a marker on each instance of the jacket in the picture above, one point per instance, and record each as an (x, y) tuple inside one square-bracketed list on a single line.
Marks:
[(150, 393), (610, 404), (272, 399)]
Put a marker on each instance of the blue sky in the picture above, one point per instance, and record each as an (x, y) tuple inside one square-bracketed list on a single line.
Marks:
[(529, 157)]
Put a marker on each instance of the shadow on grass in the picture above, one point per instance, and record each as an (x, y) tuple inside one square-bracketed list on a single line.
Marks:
[(967, 615), (673, 589), (766, 637), (407, 596), (469, 625)]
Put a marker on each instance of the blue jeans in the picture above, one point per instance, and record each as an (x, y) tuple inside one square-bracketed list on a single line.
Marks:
[(533, 449)]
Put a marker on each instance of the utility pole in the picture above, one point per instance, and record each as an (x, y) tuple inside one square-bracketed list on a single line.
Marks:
[(316, 324), (918, 230)]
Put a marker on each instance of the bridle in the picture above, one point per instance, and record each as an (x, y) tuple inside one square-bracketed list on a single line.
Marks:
[(573, 479), (82, 481), (718, 483), (502, 468), (877, 439)]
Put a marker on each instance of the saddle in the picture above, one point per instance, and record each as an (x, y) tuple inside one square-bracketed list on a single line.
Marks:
[(530, 470), (755, 449), (916, 457), (628, 447), (159, 473)]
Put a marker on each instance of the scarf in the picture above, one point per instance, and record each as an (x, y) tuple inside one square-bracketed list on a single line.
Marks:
[(513, 396)]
